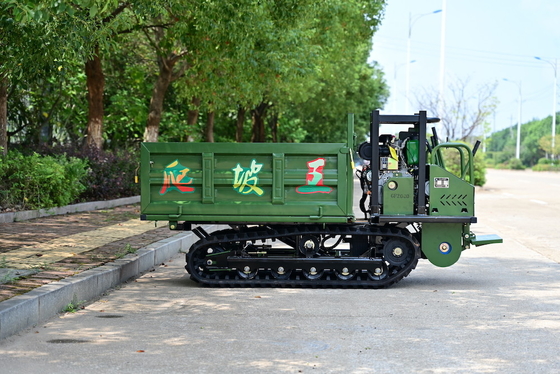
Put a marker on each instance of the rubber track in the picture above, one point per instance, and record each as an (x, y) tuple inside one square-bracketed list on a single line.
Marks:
[(253, 234)]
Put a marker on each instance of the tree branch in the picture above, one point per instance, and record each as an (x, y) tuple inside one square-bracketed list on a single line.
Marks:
[(115, 12)]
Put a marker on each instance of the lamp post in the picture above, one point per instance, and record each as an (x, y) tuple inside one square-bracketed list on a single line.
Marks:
[(395, 91), (518, 143), (440, 106), (554, 68), (411, 23)]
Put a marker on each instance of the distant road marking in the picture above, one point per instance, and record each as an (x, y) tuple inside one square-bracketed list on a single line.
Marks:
[(539, 202)]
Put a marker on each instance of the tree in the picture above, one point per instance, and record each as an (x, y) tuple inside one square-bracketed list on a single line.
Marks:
[(38, 35), (3, 115), (167, 58), (464, 110), (106, 20), (275, 63), (545, 143), (31, 41)]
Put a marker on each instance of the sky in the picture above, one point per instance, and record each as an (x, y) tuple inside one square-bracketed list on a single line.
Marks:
[(486, 41)]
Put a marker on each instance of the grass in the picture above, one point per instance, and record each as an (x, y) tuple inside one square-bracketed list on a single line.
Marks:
[(72, 307), (128, 249), (8, 278)]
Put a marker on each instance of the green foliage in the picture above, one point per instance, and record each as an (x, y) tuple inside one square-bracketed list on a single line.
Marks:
[(547, 167), (128, 249), (57, 178), (48, 109), (546, 164), (515, 164), (306, 58), (73, 306), (545, 143), (36, 181), (452, 160), (109, 174), (535, 141)]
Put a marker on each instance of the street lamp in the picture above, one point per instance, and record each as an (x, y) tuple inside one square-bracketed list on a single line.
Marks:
[(554, 67), (442, 59), (518, 118), (411, 23)]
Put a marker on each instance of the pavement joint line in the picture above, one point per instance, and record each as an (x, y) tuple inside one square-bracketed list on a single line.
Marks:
[(68, 246), (43, 303), (74, 208)]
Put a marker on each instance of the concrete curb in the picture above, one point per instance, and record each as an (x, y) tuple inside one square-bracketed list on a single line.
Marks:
[(75, 208), (45, 302)]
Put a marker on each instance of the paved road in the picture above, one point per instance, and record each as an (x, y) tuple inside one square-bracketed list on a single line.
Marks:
[(496, 311), (524, 206)]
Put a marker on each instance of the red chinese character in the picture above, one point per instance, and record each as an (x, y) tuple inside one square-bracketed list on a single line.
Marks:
[(175, 178)]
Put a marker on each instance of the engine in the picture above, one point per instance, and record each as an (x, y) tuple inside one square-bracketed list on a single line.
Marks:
[(396, 175)]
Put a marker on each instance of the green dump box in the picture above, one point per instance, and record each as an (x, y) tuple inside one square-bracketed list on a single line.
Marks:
[(247, 182)]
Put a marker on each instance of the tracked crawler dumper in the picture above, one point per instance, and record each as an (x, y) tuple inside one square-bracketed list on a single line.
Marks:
[(290, 207)]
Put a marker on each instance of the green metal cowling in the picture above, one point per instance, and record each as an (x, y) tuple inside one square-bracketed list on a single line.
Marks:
[(465, 155)]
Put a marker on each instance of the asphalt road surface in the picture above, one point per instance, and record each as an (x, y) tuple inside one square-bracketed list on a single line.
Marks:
[(496, 311)]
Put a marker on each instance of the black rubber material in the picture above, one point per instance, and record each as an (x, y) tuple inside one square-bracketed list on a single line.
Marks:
[(224, 242)]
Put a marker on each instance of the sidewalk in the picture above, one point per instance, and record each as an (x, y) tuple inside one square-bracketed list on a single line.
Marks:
[(42, 250), (49, 262)]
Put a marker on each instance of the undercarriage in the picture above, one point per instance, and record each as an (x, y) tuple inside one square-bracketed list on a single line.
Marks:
[(363, 256)]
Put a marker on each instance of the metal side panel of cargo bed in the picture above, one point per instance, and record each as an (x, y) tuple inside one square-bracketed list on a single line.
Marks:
[(247, 182)]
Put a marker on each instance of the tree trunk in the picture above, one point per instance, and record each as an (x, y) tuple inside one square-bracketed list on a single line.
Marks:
[(95, 80), (240, 120), (258, 115), (210, 127), (164, 78), (273, 123), (192, 117), (4, 115)]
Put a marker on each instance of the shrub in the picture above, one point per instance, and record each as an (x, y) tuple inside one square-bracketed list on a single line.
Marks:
[(35, 181), (546, 167), (544, 161), (452, 163), (110, 175), (516, 164)]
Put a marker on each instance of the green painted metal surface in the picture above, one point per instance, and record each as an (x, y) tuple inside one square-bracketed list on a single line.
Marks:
[(398, 196), (449, 195), (442, 242), (247, 182), (479, 240)]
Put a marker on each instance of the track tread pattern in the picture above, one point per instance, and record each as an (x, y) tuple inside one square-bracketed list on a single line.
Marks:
[(261, 233)]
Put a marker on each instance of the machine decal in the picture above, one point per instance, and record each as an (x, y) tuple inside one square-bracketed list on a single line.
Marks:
[(245, 180), (441, 182), (314, 179), (175, 178)]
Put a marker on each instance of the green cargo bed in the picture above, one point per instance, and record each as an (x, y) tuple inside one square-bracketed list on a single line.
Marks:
[(247, 182)]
